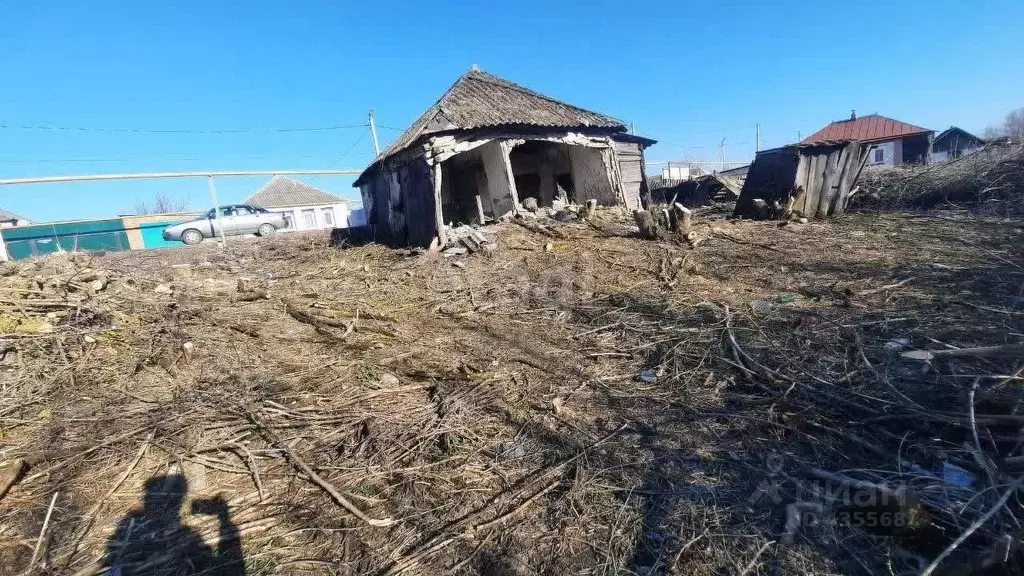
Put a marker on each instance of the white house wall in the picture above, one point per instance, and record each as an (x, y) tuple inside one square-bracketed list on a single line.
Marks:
[(341, 215)]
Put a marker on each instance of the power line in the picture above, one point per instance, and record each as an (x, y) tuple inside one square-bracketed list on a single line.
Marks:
[(158, 175), (171, 157), (182, 131), (350, 148), (391, 128), (354, 144)]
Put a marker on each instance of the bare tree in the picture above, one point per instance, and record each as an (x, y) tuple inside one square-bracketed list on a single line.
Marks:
[(1014, 124), (992, 133), (1013, 127), (161, 204)]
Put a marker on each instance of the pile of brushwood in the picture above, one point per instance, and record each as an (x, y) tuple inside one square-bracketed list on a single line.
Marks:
[(832, 397), (989, 181)]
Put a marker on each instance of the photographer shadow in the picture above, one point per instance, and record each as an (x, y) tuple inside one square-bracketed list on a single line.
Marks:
[(152, 540)]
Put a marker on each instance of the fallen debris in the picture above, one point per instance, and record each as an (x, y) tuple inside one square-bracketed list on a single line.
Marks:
[(10, 474), (612, 386)]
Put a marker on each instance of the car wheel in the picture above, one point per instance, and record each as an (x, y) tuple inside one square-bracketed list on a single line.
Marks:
[(266, 230), (191, 236)]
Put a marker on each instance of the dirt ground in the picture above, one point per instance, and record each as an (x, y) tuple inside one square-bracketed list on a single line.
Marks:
[(590, 403)]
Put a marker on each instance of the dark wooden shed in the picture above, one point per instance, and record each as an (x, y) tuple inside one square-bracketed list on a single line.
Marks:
[(810, 180)]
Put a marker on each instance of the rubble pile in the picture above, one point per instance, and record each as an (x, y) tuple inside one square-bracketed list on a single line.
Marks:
[(61, 293)]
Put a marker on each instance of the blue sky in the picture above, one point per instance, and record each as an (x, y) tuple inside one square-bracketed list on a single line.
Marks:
[(686, 73)]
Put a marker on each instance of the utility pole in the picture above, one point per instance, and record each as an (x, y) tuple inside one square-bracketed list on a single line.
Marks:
[(373, 132), (216, 212), (757, 138), (721, 152), (632, 128)]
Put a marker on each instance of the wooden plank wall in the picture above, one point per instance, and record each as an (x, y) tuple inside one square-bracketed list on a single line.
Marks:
[(826, 174), (630, 158), (399, 204), (820, 184)]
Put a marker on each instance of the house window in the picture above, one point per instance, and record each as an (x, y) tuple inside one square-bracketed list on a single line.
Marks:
[(328, 217), (879, 156), (289, 221), (309, 218)]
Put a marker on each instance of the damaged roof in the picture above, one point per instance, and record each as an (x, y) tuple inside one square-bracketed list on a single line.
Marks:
[(282, 192), (481, 100), (866, 129)]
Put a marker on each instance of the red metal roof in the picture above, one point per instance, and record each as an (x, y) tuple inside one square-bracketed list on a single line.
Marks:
[(865, 129)]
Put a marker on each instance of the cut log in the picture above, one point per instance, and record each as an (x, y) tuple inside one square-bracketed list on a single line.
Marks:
[(1003, 351), (682, 219), (11, 474), (649, 228)]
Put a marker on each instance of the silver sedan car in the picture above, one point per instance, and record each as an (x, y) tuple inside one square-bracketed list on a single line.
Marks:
[(236, 219)]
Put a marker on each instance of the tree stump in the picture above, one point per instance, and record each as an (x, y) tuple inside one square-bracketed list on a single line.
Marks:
[(682, 219), (649, 228)]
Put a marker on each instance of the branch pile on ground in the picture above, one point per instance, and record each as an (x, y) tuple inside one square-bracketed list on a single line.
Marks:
[(575, 402), (990, 181)]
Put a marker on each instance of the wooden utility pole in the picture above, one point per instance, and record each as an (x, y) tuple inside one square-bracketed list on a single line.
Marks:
[(373, 133)]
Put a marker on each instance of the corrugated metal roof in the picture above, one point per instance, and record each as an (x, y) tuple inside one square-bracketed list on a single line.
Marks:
[(866, 129), (480, 100), (282, 192)]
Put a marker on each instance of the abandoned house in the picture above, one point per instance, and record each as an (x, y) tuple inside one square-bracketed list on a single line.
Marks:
[(954, 142), (487, 145), (893, 143)]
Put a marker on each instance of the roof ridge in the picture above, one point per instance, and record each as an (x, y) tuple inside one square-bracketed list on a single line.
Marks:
[(491, 78), (478, 99), (264, 187), (277, 178)]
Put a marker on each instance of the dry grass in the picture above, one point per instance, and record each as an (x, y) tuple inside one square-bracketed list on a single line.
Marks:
[(989, 181), (490, 416)]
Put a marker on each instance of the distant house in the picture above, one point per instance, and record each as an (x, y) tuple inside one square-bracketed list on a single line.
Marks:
[(954, 142), (305, 207), (894, 143), (10, 219)]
